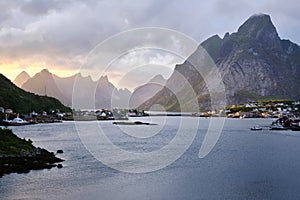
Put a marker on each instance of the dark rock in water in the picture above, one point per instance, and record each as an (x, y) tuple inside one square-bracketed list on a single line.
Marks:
[(24, 158), (59, 166), (133, 123), (141, 123), (60, 151)]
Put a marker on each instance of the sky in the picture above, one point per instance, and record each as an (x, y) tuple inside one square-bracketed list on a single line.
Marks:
[(61, 34)]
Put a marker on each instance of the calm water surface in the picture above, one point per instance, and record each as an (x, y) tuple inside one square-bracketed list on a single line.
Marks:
[(244, 164)]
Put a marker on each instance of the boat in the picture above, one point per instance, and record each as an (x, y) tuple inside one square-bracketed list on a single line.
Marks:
[(277, 127), (256, 128), (15, 122), (296, 127)]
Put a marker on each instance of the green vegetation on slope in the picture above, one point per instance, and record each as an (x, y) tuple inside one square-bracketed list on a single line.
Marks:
[(19, 155), (10, 144), (24, 102)]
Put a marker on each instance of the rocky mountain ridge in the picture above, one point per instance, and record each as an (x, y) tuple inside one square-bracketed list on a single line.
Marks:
[(254, 63), (105, 94)]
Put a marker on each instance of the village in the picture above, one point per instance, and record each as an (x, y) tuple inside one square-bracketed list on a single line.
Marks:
[(10, 118), (260, 109), (264, 109)]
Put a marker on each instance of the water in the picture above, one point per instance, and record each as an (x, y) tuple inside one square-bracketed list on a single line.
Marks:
[(244, 164)]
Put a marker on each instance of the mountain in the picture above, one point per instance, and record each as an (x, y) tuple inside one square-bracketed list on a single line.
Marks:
[(254, 63), (24, 102), (21, 78), (146, 91), (105, 94), (43, 83), (65, 85), (108, 96)]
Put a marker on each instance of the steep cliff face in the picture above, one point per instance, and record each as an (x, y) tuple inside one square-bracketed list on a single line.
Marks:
[(254, 64)]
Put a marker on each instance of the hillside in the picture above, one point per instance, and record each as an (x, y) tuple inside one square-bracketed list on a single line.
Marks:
[(19, 155), (24, 102), (146, 91), (254, 63)]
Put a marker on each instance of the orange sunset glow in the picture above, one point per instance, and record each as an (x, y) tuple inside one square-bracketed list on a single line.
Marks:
[(13, 70)]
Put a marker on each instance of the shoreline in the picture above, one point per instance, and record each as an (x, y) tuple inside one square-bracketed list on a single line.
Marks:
[(20, 156)]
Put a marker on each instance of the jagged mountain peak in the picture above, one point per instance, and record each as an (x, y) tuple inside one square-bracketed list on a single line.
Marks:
[(103, 79), (256, 23), (212, 46), (45, 82), (260, 27), (21, 78), (45, 71), (254, 64), (227, 34), (44, 74), (24, 73), (159, 79), (214, 38)]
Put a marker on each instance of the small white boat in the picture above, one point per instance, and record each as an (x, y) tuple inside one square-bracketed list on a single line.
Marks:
[(256, 128), (16, 122)]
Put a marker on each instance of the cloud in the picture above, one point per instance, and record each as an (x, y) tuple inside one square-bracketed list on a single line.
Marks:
[(60, 34), (285, 16)]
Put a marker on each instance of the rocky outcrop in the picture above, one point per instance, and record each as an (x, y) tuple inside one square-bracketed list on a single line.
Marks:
[(254, 64), (257, 64), (20, 156)]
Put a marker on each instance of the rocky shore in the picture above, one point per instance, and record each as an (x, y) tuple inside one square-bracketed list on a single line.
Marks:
[(20, 156)]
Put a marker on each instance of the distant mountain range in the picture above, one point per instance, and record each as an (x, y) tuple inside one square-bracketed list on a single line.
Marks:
[(106, 94), (20, 101), (43, 83), (254, 64)]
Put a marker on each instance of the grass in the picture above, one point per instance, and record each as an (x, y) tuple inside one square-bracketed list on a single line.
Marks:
[(24, 102), (10, 144)]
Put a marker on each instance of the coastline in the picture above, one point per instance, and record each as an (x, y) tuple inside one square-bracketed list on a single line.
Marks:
[(20, 156)]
